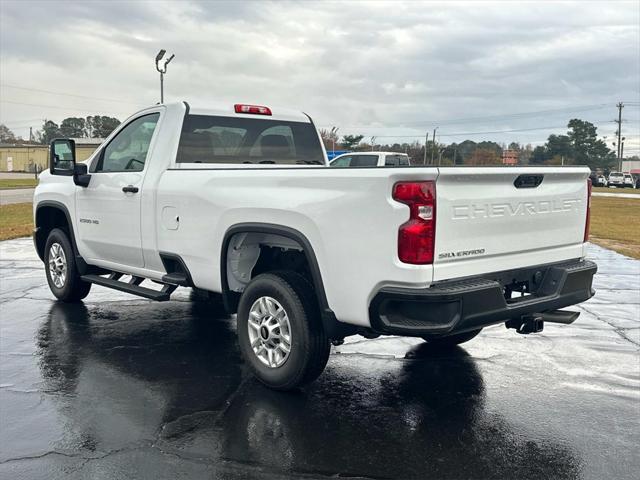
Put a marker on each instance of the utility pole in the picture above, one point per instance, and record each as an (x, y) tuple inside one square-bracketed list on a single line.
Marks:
[(426, 142), (455, 154), (162, 69), (434, 143), (620, 106)]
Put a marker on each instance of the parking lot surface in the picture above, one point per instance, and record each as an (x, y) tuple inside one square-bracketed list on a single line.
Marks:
[(120, 387)]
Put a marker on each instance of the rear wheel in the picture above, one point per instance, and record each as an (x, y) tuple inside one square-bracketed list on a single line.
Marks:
[(60, 266), (452, 340), (280, 331)]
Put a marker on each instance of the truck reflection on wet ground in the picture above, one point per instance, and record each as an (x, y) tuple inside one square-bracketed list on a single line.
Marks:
[(181, 380)]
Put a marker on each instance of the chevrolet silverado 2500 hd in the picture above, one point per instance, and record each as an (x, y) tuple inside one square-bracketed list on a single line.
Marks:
[(239, 202)]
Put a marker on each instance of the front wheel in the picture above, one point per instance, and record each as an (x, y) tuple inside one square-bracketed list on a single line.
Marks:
[(60, 266), (452, 340), (280, 332)]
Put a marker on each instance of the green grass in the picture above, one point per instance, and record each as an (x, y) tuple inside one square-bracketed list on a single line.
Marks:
[(16, 220), (616, 190), (10, 183), (615, 224)]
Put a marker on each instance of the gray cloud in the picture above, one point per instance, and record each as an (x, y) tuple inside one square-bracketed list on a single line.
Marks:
[(369, 67)]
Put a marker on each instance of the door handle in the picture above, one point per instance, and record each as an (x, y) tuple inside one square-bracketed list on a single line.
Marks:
[(130, 189)]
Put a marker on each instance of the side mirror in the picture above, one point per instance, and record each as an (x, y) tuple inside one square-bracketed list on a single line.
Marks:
[(62, 156), (80, 175)]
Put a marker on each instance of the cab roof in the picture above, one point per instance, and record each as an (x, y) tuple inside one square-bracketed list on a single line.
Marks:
[(229, 110)]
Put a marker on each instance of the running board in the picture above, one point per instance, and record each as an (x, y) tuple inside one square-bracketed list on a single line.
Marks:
[(132, 286)]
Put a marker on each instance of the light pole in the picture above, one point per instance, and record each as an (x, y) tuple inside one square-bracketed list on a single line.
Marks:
[(162, 69)]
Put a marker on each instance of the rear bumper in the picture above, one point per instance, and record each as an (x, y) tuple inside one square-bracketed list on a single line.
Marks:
[(472, 303)]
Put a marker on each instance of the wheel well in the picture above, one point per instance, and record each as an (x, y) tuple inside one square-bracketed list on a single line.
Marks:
[(251, 253), (48, 218), (249, 249)]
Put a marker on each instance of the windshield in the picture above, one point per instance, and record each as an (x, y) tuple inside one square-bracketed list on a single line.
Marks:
[(617, 175), (211, 139)]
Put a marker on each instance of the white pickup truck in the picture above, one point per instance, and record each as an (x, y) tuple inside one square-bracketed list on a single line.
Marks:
[(239, 202), (371, 159)]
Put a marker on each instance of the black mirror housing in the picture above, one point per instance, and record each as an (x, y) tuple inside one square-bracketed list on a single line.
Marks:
[(80, 175), (62, 156)]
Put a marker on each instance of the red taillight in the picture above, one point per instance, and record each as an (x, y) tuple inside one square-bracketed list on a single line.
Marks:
[(416, 237), (586, 226), (253, 109)]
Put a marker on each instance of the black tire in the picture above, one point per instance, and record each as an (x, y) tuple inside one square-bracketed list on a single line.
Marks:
[(309, 346), (452, 340), (73, 288)]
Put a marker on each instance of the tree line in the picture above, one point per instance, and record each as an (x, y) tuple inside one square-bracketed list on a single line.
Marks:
[(579, 146), (93, 126)]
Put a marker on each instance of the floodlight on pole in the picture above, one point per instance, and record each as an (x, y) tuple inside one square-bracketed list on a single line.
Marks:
[(162, 69)]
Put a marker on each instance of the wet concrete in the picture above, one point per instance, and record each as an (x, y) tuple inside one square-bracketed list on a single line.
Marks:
[(119, 387)]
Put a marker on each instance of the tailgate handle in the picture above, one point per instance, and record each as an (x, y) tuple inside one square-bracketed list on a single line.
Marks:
[(528, 181)]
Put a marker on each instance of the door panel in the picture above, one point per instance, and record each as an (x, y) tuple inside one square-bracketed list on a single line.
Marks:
[(108, 210), (109, 219)]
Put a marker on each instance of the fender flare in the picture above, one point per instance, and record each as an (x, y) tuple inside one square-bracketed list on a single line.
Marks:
[(63, 208), (333, 327), (82, 266)]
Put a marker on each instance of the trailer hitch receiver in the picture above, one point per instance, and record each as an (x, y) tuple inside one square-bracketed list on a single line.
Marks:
[(526, 324)]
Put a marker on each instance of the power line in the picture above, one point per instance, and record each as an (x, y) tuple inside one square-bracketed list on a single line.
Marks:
[(70, 94), (462, 120), (58, 107), (458, 134), (14, 123), (578, 108)]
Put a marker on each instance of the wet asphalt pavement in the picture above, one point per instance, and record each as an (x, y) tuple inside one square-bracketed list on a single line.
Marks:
[(120, 387)]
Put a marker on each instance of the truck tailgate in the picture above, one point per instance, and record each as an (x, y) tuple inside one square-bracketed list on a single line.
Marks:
[(494, 219)]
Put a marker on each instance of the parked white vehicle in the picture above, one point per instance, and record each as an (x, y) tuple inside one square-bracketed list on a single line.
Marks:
[(371, 159), (238, 202), (616, 179), (628, 181)]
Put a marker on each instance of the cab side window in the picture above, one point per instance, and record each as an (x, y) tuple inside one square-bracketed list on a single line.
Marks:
[(342, 162), (364, 161), (127, 151)]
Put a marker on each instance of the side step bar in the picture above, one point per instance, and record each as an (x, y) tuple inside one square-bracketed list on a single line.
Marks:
[(132, 286)]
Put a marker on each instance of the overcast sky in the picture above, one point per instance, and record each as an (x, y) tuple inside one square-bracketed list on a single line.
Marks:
[(373, 68)]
